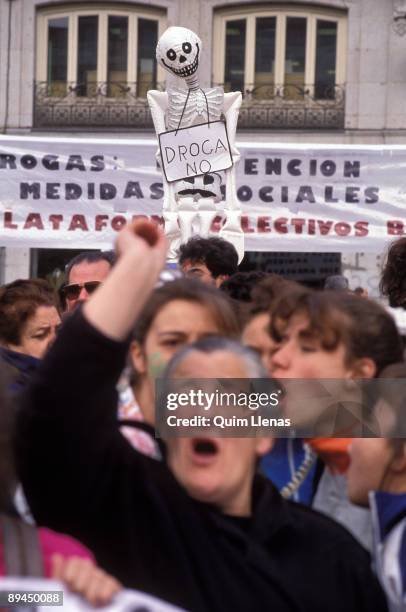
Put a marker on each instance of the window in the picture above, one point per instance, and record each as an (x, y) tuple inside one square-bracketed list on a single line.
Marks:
[(86, 51), (295, 56), (117, 45), (57, 54), (235, 53), (286, 51), (87, 54), (147, 65), (265, 37)]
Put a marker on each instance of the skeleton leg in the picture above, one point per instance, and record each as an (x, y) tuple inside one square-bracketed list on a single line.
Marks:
[(171, 217), (170, 213), (187, 214), (206, 214), (231, 230)]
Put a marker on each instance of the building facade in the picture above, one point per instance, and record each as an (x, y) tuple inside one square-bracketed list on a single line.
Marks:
[(329, 71)]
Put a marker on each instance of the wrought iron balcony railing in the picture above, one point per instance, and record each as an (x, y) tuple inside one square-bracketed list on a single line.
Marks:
[(295, 107), (124, 105), (98, 105)]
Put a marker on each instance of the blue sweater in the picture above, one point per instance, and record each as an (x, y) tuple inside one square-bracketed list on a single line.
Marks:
[(281, 463)]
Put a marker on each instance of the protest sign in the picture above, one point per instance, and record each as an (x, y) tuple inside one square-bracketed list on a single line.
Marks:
[(195, 150), (72, 192)]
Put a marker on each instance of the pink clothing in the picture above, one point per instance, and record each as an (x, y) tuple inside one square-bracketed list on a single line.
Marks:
[(51, 543), (140, 440)]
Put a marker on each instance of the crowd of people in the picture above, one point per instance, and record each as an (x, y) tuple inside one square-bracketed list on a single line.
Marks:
[(204, 523)]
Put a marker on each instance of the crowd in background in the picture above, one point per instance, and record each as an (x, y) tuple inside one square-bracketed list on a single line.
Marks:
[(203, 523)]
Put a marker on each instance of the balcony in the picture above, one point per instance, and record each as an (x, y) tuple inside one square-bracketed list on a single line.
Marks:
[(292, 107), (92, 105), (124, 105)]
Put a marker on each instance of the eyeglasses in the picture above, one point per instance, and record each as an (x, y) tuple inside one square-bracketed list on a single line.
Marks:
[(72, 292)]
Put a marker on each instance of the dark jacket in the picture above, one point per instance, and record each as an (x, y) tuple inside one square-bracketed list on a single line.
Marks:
[(19, 368), (389, 525), (82, 477)]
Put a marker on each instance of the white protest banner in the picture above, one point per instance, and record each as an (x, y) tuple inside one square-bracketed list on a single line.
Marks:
[(195, 150), (17, 590), (72, 192)]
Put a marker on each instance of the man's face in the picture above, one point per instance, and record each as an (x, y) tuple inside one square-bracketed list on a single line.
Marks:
[(201, 272), (85, 272), (216, 470)]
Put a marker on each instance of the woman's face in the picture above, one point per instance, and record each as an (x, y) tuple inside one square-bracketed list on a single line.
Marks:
[(321, 396), (302, 356), (178, 323), (39, 332)]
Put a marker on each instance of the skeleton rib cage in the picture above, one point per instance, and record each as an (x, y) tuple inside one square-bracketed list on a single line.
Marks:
[(195, 111)]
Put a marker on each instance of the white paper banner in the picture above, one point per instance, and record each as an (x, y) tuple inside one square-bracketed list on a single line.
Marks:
[(125, 601), (61, 193)]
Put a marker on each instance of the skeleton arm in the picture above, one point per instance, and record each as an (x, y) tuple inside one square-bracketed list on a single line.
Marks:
[(158, 104), (231, 229), (232, 103)]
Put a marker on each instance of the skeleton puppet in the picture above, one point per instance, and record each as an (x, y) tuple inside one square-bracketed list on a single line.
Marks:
[(192, 200)]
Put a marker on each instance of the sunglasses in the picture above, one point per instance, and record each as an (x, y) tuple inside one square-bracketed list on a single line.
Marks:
[(72, 292)]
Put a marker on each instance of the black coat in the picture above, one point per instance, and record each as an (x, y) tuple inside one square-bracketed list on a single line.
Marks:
[(82, 477), (18, 369)]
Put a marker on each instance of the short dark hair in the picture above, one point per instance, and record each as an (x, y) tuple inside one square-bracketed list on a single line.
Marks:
[(213, 344), (192, 291), (18, 302), (218, 255), (239, 286), (364, 327), (393, 279), (268, 290), (90, 257)]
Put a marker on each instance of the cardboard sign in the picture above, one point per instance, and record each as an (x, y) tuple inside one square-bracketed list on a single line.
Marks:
[(195, 150)]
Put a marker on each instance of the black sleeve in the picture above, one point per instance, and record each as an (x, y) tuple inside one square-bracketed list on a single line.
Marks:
[(69, 451), (357, 583)]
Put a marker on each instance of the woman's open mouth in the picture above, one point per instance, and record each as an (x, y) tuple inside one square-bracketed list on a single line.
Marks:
[(204, 450)]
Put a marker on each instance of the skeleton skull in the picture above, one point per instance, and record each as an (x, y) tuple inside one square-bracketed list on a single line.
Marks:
[(178, 51)]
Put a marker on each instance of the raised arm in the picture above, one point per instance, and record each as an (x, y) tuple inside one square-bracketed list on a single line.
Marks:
[(71, 456), (115, 306)]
